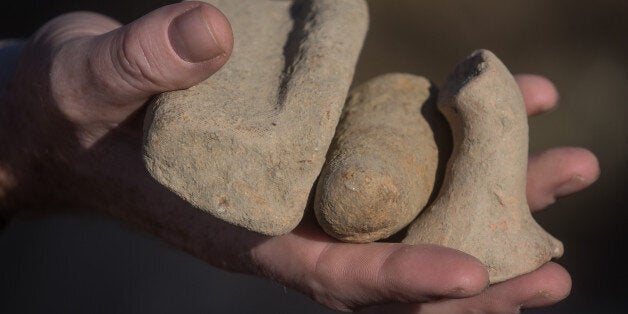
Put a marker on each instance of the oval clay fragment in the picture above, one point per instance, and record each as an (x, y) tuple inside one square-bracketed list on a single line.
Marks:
[(382, 164), (482, 208), (247, 144)]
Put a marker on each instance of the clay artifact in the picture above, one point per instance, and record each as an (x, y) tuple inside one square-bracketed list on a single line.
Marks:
[(382, 162), (482, 208), (247, 144)]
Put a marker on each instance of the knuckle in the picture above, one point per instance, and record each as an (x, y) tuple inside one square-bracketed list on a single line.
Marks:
[(137, 62), (69, 26)]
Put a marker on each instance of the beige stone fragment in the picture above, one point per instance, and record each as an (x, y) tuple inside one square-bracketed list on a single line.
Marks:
[(482, 208), (247, 144), (382, 164)]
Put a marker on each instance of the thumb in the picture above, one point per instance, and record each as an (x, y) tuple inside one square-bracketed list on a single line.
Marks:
[(109, 76), (390, 272), (346, 276)]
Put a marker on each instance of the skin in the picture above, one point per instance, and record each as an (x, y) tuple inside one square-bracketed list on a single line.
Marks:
[(79, 147)]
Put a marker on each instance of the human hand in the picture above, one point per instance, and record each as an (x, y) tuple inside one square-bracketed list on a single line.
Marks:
[(74, 141)]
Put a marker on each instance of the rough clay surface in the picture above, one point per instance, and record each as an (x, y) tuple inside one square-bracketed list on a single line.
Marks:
[(381, 167), (247, 144), (482, 208)]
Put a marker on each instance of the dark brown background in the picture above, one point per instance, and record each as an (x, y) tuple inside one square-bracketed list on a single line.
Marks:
[(80, 264)]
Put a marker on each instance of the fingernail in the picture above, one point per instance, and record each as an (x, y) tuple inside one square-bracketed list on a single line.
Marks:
[(192, 38), (574, 184)]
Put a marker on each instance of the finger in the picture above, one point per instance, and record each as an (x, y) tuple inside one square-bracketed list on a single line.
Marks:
[(171, 48), (539, 94), (543, 287), (348, 276), (552, 283), (559, 172)]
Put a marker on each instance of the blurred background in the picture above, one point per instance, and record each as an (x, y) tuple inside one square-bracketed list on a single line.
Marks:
[(70, 264)]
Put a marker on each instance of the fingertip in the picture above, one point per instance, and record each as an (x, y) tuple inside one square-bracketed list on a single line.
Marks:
[(554, 285), (468, 279), (447, 272), (581, 168), (559, 281), (539, 93), (585, 162), (559, 172)]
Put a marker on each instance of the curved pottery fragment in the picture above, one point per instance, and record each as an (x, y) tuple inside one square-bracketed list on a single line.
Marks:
[(381, 166), (482, 208), (247, 144)]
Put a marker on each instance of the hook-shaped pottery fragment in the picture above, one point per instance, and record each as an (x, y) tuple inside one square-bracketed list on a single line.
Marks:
[(482, 208)]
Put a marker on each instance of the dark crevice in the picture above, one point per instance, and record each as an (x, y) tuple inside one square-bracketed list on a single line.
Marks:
[(301, 14), (444, 143)]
